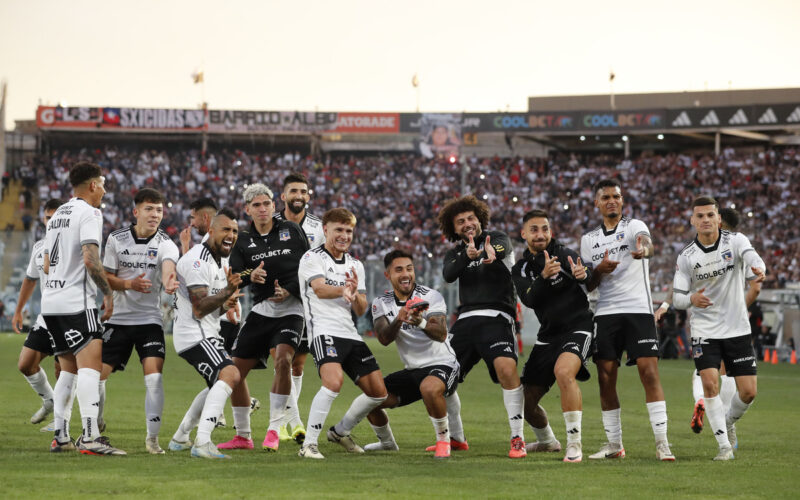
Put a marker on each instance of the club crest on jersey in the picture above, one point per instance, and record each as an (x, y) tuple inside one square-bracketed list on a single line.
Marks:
[(152, 253), (620, 236), (310, 238), (196, 264), (283, 235), (727, 255), (330, 351)]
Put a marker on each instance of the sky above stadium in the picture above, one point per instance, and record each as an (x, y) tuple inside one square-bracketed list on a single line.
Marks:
[(354, 55)]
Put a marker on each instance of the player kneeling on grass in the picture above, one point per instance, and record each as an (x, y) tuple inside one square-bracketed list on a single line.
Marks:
[(206, 288), (414, 317), (565, 336)]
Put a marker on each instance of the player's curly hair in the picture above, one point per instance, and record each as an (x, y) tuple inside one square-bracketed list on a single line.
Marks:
[(460, 205)]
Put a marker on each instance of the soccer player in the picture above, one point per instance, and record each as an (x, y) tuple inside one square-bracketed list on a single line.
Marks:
[(481, 261), (269, 248), (138, 260), (206, 290), (624, 316), (37, 344), (548, 279), (202, 211), (331, 287), (296, 195), (415, 317), (708, 282), (74, 273)]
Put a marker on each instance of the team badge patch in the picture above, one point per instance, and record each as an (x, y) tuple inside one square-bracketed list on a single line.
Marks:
[(330, 351), (196, 264), (620, 236), (310, 238), (152, 253), (697, 351), (727, 255), (284, 235)]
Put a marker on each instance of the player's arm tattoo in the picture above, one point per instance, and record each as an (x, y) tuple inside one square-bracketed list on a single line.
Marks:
[(91, 259), (436, 329), (203, 304), (387, 331)]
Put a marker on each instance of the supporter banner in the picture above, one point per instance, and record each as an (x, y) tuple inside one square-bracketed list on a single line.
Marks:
[(367, 123), (123, 119), (249, 122), (58, 117), (440, 133)]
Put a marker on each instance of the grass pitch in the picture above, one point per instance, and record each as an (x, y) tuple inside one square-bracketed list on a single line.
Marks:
[(766, 465)]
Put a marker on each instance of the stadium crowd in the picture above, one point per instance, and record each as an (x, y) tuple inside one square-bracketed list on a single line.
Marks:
[(396, 197)]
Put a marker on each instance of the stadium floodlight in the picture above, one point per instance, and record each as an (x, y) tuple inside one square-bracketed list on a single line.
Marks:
[(515, 199), (566, 207), (169, 204), (452, 159), (232, 187), (583, 138), (733, 206), (486, 197), (396, 239), (483, 176), (660, 137), (750, 214), (430, 255), (624, 138)]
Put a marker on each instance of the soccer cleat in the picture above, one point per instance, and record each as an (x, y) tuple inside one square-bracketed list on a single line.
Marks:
[(379, 446), (99, 446), (207, 450), (56, 447), (42, 413), (254, 405), (574, 453), (538, 447), (310, 450), (517, 448), (442, 449), (284, 433), (663, 452), (51, 427), (237, 443), (697, 416), (221, 422), (725, 453), (346, 442), (179, 445), (732, 439), (152, 446), (271, 441), (454, 446), (299, 434), (609, 450)]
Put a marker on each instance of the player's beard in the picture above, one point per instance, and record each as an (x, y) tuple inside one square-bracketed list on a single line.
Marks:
[(294, 208)]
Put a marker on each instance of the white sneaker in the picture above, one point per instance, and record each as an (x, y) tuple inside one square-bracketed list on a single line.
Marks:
[(663, 452), (310, 451), (381, 446), (42, 413), (153, 447), (609, 450), (207, 450), (574, 453), (51, 427), (345, 441), (179, 445), (725, 453), (732, 439), (551, 446)]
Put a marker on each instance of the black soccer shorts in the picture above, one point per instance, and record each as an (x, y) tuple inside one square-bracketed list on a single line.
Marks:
[(482, 337), (39, 340), (634, 333), (405, 383), (119, 341), (737, 353), (259, 334), (540, 367), (72, 332), (353, 355), (208, 357)]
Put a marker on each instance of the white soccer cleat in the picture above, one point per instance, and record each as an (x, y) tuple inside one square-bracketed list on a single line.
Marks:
[(207, 450), (180, 445), (732, 439), (609, 450), (346, 442), (254, 405), (538, 447), (310, 451), (574, 453), (663, 452), (221, 422), (51, 427), (381, 446), (725, 453), (152, 446), (43, 412)]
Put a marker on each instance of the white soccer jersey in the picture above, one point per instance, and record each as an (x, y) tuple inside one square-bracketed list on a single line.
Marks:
[(68, 288), (197, 268), (416, 350), (312, 226), (720, 269), (35, 272), (328, 316), (627, 289), (128, 257)]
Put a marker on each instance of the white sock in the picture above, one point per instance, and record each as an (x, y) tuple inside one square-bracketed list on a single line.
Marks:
[(297, 385), (192, 417), (544, 435), (320, 406), (39, 383), (153, 402), (63, 395), (716, 418), (384, 433), (454, 417), (727, 388), (277, 410), (88, 400), (658, 419), (697, 386), (573, 421), (292, 412), (215, 402), (440, 427), (612, 423), (102, 402), (241, 420), (737, 410), (514, 400), (359, 408)]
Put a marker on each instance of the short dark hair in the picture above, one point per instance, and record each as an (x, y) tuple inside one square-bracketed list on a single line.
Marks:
[(702, 201), (395, 254), (730, 217), (53, 204), (227, 212), (534, 213), (460, 205), (148, 195), (294, 177), (340, 215), (202, 203), (607, 183), (84, 171)]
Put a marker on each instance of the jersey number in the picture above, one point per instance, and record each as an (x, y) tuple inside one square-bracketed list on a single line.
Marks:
[(54, 253)]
